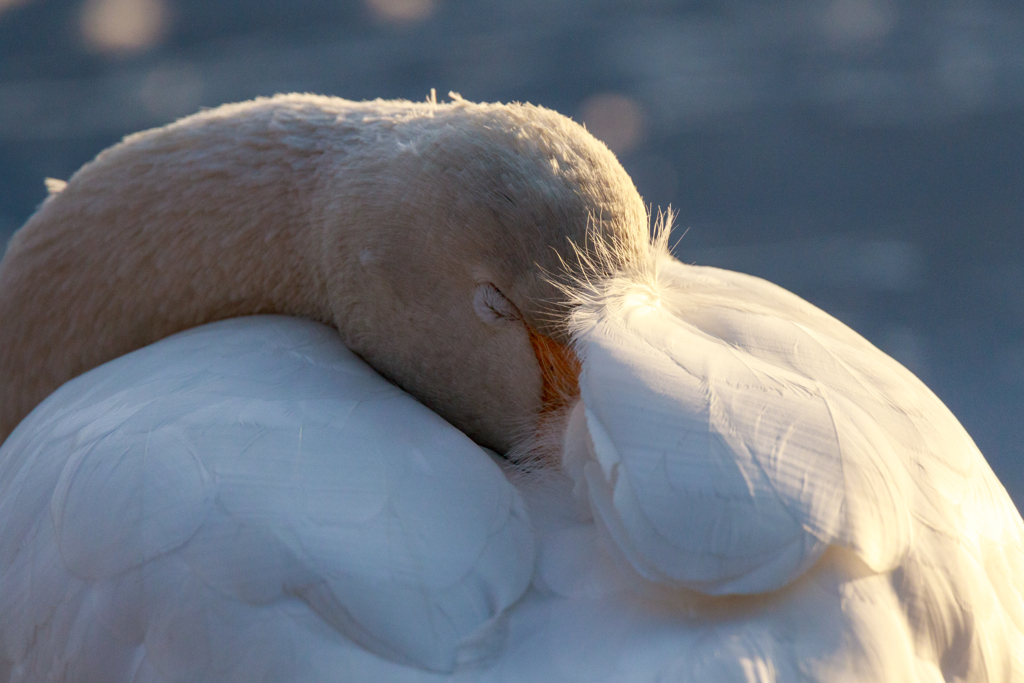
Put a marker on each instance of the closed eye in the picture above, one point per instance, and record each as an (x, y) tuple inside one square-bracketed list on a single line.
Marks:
[(493, 307)]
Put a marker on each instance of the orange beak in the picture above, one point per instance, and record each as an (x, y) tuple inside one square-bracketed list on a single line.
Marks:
[(560, 372)]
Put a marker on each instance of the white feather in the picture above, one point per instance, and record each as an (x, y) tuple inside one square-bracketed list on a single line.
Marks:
[(219, 500), (734, 433), (773, 500)]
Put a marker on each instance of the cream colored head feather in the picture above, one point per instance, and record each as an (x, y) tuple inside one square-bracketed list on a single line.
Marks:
[(428, 234)]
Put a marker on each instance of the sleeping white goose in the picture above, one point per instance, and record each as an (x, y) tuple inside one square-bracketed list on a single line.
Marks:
[(708, 479)]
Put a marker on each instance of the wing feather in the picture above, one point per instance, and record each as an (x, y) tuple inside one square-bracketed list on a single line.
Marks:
[(736, 432), (250, 486)]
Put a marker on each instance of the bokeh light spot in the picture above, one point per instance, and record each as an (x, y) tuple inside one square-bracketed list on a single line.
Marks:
[(401, 11), (123, 25), (10, 4), (615, 119), (855, 22)]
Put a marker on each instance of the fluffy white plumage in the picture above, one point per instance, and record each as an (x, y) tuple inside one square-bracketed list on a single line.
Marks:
[(248, 498), (755, 493)]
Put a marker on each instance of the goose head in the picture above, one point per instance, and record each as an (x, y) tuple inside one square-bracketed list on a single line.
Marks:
[(432, 236), (457, 255)]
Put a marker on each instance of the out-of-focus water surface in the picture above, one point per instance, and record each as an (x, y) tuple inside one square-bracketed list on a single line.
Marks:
[(866, 154)]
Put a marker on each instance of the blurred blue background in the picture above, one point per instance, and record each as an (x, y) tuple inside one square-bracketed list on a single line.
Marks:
[(867, 154)]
